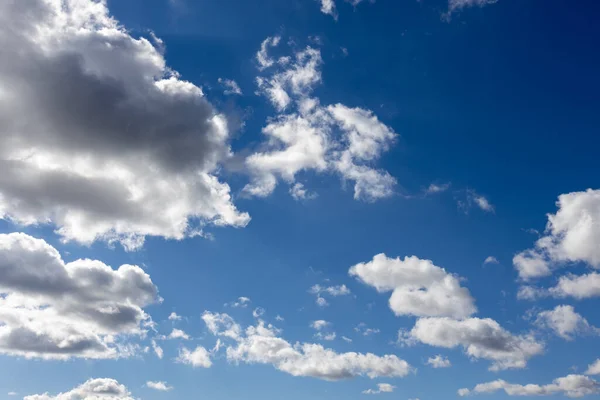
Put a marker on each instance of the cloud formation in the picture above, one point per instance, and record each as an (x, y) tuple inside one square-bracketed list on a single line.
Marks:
[(418, 287), (307, 136), (98, 136), (480, 339), (571, 386), (93, 389), (53, 309), (565, 322), (260, 344)]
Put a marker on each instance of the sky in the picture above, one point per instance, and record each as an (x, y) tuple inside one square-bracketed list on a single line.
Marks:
[(299, 199)]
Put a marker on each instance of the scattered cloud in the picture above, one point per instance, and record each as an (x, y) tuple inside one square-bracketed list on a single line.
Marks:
[(418, 287), (241, 302), (364, 330), (178, 334), (231, 87), (299, 192), (97, 389), (435, 188), (262, 57), (439, 361), (333, 291), (262, 344), (457, 5), (572, 235), (571, 386), (174, 317), (159, 385), (157, 350), (346, 339), (474, 199), (307, 136), (100, 138), (222, 325), (594, 368), (381, 388), (576, 286), (480, 338), (200, 357), (56, 310), (328, 7), (565, 322)]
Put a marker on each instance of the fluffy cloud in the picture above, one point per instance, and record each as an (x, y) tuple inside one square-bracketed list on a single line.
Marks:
[(98, 136), (261, 344), (200, 357), (221, 325), (328, 7), (381, 388), (579, 287), (480, 338), (307, 136), (93, 389), (174, 317), (439, 361), (178, 334), (159, 385), (572, 235), (418, 286), (570, 386), (594, 368), (53, 309), (491, 260), (299, 192), (565, 322)]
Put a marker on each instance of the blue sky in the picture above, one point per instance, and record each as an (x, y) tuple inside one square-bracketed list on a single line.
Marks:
[(301, 198)]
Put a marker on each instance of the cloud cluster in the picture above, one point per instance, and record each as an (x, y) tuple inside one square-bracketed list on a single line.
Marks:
[(480, 338), (197, 358), (571, 386), (93, 389), (565, 322), (307, 136), (52, 309), (98, 136), (572, 235), (418, 287), (261, 344), (439, 361), (333, 291)]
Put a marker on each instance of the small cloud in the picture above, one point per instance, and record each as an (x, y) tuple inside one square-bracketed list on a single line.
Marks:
[(12, 393), (299, 192), (491, 260), (231, 87), (242, 302), (474, 199), (381, 388), (160, 385), (435, 188), (364, 330), (279, 318), (346, 339), (439, 361), (174, 317), (258, 312)]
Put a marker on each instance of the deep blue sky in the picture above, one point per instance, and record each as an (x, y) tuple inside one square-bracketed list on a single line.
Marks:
[(501, 100)]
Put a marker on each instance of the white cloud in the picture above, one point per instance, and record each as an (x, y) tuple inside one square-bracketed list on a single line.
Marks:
[(258, 312), (570, 386), (279, 318), (242, 302), (157, 350), (221, 325), (200, 357), (159, 385), (261, 344), (53, 309), (456, 5), (364, 330), (418, 286), (381, 388), (594, 368), (319, 324), (93, 389), (437, 188), (333, 291), (328, 7), (178, 334), (576, 286), (174, 317), (472, 198), (264, 61), (565, 322), (12, 393), (491, 260), (231, 87), (307, 136), (346, 339), (439, 361), (480, 338), (572, 235), (98, 136), (299, 192)]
